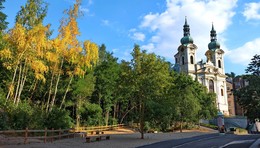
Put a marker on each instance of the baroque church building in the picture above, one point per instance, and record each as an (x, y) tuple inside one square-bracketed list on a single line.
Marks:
[(210, 73)]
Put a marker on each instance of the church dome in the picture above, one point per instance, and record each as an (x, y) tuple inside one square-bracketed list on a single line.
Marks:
[(213, 45), (186, 40)]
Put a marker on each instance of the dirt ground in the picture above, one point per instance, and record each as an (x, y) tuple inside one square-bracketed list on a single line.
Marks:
[(121, 137)]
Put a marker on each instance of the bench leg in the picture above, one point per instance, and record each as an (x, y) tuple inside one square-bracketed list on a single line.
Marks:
[(88, 139), (107, 137), (98, 138)]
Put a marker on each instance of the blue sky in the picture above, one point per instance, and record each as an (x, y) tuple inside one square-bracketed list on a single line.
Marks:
[(157, 25)]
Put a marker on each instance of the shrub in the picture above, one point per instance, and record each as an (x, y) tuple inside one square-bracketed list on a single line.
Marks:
[(58, 119), (91, 115)]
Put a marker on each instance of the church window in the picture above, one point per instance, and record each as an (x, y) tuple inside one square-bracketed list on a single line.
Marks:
[(222, 92), (219, 64), (182, 60), (191, 59), (211, 86)]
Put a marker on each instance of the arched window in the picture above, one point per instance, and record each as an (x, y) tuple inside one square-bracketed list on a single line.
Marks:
[(219, 64), (211, 86), (182, 60), (222, 92), (191, 59)]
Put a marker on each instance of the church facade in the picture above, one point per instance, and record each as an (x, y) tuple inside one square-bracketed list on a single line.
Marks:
[(210, 73)]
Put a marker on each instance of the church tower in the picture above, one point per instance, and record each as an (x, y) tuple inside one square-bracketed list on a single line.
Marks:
[(214, 53), (215, 78), (186, 56), (210, 73)]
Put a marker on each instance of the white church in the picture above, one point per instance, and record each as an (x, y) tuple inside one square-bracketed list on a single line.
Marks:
[(210, 73)]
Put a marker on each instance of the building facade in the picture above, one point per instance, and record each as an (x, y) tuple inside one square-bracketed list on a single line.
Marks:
[(230, 97), (210, 73)]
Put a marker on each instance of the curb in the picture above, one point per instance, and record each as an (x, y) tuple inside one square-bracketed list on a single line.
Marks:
[(256, 144)]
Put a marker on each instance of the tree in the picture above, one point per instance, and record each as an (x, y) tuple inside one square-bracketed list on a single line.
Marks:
[(187, 103), (150, 79), (32, 14), (107, 75), (69, 51), (3, 23), (231, 75), (254, 66), (249, 96)]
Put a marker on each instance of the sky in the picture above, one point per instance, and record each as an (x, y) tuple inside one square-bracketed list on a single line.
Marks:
[(157, 26)]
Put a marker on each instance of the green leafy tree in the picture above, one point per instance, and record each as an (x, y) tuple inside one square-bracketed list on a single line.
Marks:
[(83, 89), (3, 23), (32, 14), (107, 74), (254, 66), (187, 104), (151, 79), (249, 96)]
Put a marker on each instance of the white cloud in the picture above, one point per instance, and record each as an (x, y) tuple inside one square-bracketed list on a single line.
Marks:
[(138, 36), (252, 11), (84, 9), (105, 22), (244, 54), (148, 47), (167, 27), (114, 50)]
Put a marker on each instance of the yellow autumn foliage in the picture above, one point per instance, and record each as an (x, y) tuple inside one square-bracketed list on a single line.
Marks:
[(5, 54)]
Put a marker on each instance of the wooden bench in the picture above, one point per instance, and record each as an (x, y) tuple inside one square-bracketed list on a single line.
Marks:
[(97, 138), (96, 132)]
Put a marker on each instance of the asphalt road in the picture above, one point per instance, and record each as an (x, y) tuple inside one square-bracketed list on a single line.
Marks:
[(208, 141)]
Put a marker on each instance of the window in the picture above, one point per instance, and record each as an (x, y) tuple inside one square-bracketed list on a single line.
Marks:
[(191, 59), (182, 60), (211, 86), (176, 60), (219, 64), (222, 92)]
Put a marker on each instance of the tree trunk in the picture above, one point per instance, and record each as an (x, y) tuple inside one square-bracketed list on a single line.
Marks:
[(122, 119), (12, 83), (56, 88), (142, 121), (50, 91), (63, 99), (114, 113), (18, 83), (107, 117), (23, 79), (181, 126), (33, 89)]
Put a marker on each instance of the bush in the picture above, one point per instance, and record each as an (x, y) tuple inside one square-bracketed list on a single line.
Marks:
[(20, 116), (58, 119), (146, 126), (91, 115), (209, 126), (3, 121)]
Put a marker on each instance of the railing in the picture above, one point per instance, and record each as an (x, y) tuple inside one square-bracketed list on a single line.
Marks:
[(89, 129), (49, 135), (45, 135)]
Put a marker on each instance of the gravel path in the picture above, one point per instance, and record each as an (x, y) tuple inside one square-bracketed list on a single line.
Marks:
[(117, 140)]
